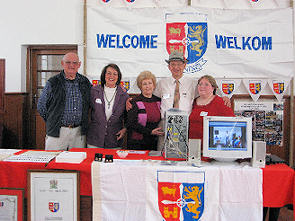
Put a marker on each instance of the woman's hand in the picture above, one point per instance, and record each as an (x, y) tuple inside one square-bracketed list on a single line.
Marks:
[(128, 104), (121, 133), (226, 101), (157, 131)]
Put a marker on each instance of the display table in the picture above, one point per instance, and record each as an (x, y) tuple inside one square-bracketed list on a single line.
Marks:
[(278, 180)]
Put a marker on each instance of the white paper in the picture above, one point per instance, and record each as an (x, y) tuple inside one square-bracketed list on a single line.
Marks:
[(70, 157), (33, 156), (5, 153), (8, 208)]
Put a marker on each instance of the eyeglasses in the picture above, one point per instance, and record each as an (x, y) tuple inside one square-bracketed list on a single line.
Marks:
[(178, 64), (112, 74), (71, 62)]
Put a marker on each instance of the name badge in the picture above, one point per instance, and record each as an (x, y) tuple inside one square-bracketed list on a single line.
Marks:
[(166, 96), (98, 101), (203, 114)]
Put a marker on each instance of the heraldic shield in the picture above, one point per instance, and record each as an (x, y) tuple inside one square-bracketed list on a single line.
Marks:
[(189, 38), (228, 88), (255, 88), (125, 84), (181, 200), (278, 88), (53, 206)]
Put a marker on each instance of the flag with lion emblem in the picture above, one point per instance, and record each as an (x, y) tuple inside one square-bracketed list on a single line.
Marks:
[(203, 194)]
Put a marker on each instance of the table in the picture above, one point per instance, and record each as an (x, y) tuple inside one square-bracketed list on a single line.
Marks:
[(278, 185), (278, 179)]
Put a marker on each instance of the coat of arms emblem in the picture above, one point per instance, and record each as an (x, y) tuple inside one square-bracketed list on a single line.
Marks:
[(181, 200), (190, 38)]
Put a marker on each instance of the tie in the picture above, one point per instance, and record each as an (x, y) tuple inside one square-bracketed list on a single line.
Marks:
[(176, 95)]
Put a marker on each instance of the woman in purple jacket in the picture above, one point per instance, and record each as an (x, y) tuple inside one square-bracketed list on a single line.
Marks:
[(108, 111)]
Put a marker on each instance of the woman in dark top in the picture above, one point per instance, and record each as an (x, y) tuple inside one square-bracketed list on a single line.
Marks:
[(144, 117)]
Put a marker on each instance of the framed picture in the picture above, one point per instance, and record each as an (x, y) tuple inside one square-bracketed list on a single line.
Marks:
[(53, 195), (11, 204)]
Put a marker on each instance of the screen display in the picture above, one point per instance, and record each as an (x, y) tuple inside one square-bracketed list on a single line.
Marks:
[(227, 135)]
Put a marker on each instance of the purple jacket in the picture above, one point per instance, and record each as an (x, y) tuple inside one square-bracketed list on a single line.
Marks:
[(102, 133)]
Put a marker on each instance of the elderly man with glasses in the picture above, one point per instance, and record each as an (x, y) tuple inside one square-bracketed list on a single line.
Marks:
[(64, 105)]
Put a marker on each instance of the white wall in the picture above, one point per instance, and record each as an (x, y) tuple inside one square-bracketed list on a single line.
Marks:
[(32, 22)]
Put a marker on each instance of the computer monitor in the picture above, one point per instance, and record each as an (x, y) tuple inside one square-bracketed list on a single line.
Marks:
[(227, 138)]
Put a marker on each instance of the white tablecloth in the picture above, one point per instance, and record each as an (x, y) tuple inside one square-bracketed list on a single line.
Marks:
[(146, 190)]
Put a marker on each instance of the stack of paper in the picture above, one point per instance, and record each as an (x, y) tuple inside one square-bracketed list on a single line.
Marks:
[(70, 157), (33, 156), (5, 153)]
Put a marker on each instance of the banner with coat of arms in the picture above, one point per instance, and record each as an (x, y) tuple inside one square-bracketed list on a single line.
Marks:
[(223, 43), (278, 87), (228, 86), (150, 192), (255, 87), (180, 198), (203, 194)]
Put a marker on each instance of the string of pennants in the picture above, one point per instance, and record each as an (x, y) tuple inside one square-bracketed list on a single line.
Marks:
[(255, 87), (229, 87)]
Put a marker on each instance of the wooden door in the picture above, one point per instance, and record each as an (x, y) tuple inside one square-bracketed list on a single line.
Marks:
[(44, 63)]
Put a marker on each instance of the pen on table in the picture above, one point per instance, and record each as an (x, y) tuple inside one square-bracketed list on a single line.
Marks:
[(49, 161)]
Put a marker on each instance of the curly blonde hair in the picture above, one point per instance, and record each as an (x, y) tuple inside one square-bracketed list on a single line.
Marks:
[(145, 75)]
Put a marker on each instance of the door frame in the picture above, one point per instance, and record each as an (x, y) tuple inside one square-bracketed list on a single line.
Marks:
[(31, 70)]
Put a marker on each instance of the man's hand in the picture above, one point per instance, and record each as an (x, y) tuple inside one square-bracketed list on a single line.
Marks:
[(157, 131), (226, 101), (121, 133), (128, 104)]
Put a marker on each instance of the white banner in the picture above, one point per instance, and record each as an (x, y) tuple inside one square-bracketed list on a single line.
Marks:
[(204, 194), (137, 191), (223, 43)]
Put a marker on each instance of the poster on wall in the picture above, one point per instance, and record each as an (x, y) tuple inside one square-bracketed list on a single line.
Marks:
[(267, 120)]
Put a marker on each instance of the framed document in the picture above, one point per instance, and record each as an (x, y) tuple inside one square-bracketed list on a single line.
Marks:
[(53, 195), (11, 204)]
